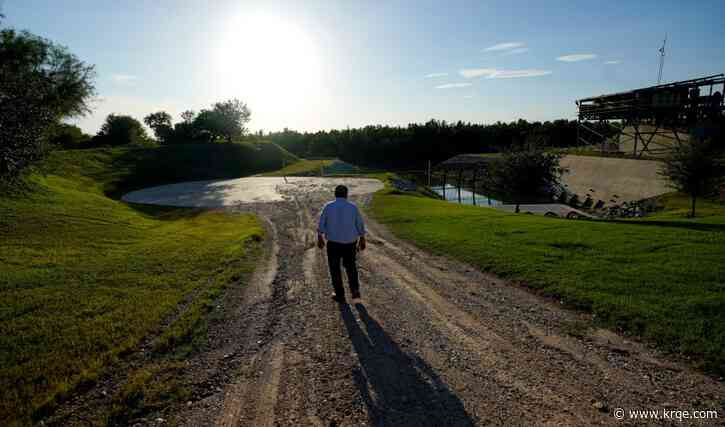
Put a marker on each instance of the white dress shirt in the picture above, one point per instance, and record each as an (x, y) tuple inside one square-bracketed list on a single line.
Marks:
[(341, 221)]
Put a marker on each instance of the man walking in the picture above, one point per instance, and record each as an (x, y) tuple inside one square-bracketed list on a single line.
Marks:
[(343, 226)]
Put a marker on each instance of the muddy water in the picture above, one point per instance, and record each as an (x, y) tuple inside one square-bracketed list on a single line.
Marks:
[(233, 192)]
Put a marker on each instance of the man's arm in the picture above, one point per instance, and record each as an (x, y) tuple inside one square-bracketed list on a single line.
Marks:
[(322, 228), (360, 228)]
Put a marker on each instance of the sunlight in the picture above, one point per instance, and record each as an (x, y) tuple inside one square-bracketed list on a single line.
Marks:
[(270, 62)]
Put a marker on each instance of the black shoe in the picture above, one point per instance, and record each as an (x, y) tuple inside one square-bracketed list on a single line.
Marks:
[(340, 299), (355, 294)]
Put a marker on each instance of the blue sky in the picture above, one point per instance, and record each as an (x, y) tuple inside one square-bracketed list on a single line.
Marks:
[(312, 65)]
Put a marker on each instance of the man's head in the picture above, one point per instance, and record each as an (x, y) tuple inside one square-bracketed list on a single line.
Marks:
[(341, 191)]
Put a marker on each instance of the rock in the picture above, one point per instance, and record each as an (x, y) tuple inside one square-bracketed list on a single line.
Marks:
[(189, 403), (160, 420), (600, 406), (620, 351)]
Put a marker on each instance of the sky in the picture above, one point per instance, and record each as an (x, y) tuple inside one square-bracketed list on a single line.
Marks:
[(311, 65)]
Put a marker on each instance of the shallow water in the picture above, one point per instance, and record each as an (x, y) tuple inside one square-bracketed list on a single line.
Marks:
[(232, 192), (467, 197)]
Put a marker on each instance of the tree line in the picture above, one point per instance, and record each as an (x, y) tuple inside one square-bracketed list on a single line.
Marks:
[(413, 145), (223, 122)]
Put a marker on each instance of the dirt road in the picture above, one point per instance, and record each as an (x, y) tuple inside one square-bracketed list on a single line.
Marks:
[(432, 342)]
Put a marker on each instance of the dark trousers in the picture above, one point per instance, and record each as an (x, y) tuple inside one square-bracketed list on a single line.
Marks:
[(345, 252)]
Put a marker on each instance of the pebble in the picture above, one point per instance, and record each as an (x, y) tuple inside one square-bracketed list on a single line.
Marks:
[(601, 406)]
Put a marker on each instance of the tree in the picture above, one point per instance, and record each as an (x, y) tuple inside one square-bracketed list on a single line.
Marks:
[(524, 175), (207, 126), (23, 120), (68, 82), (233, 115), (693, 167), (224, 120), (40, 83), (122, 130), (160, 123), (188, 116)]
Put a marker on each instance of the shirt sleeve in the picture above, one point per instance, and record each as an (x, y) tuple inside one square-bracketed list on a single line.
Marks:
[(359, 223), (322, 225)]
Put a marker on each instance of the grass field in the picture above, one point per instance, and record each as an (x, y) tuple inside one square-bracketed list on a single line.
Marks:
[(85, 277), (662, 278), (302, 167)]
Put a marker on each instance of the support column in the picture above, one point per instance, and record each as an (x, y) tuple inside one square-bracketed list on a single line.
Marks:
[(475, 171), (636, 137)]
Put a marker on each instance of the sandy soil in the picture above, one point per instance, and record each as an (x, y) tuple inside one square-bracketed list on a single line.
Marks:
[(432, 342), (627, 179)]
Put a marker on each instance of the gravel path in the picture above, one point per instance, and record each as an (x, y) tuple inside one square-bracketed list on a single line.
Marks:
[(432, 342)]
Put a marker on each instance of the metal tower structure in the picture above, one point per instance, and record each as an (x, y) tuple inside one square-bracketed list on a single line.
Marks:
[(666, 111), (662, 60)]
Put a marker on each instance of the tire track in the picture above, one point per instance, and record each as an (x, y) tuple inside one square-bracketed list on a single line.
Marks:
[(433, 342)]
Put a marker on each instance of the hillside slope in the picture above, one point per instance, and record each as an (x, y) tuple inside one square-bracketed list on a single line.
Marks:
[(85, 277), (613, 178)]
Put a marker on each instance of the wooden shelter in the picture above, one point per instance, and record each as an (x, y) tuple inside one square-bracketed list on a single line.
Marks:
[(475, 165)]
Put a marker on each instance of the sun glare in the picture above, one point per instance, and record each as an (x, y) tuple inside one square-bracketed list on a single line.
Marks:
[(270, 63)]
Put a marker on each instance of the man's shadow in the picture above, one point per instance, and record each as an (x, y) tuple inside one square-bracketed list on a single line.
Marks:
[(398, 388)]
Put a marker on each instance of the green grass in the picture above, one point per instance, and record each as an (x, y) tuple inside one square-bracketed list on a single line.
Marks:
[(85, 277), (302, 167), (147, 389), (662, 278)]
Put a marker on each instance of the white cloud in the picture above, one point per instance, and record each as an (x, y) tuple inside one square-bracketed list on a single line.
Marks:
[(517, 51), (576, 57), (495, 73), (468, 96), (434, 75), (123, 79), (612, 62), (503, 46), (453, 85)]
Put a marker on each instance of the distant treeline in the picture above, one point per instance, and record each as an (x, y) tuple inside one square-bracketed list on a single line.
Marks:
[(414, 145)]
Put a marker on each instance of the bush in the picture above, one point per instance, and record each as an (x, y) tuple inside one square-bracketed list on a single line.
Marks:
[(63, 135)]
